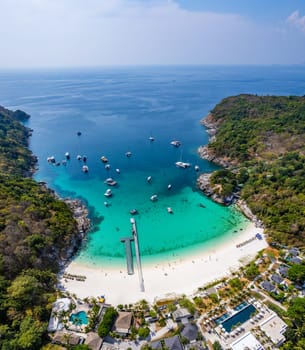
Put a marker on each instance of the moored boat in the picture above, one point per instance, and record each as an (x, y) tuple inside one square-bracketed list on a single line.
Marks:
[(51, 159), (110, 181), (149, 178), (151, 138), (169, 186), (196, 167), (176, 143), (104, 159), (182, 165), (128, 154), (169, 210), (133, 211), (107, 166), (118, 170), (108, 193), (78, 157), (67, 155), (153, 198), (85, 168)]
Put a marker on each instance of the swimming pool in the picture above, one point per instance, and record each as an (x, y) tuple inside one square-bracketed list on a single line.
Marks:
[(239, 318), (222, 318), (241, 306), (79, 318)]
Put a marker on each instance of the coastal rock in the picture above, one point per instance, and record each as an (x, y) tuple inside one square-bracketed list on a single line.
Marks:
[(204, 184), (80, 214), (243, 207)]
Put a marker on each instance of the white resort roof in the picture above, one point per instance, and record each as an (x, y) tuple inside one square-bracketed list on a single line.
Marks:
[(247, 341), (59, 305), (274, 327)]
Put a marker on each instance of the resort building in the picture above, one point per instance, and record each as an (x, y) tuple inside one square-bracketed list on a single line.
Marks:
[(247, 341), (181, 315), (65, 338), (190, 332), (274, 328), (123, 323), (277, 278), (155, 345), (60, 306), (94, 341), (268, 287), (173, 343), (283, 270)]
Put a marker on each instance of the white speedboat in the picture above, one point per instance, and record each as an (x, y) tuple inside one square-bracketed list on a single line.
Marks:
[(151, 138), (128, 154), (196, 167), (182, 165), (169, 210), (133, 211), (148, 178), (176, 143), (51, 159), (104, 159), (118, 171), (107, 166), (153, 198), (110, 181), (85, 168), (169, 186), (108, 193), (78, 157), (67, 155)]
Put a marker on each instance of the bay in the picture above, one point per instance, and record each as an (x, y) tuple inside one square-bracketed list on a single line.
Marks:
[(117, 110)]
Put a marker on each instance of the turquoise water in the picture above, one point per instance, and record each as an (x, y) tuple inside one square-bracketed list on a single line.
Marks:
[(79, 318), (117, 110)]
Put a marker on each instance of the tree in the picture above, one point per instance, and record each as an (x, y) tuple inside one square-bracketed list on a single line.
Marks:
[(251, 271), (23, 291), (216, 345), (143, 332), (30, 335), (296, 311), (81, 347), (107, 322), (296, 273)]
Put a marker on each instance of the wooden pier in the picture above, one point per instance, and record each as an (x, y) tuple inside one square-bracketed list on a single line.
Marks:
[(136, 242)]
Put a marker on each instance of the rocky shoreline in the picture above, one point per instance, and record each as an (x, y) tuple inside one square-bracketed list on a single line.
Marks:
[(83, 223), (204, 180)]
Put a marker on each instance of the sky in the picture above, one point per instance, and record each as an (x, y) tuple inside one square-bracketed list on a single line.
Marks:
[(90, 33)]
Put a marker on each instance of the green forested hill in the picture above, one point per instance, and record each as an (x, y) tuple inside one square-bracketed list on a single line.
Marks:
[(264, 136), (35, 231)]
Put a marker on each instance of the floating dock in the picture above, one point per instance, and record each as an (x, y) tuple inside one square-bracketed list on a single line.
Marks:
[(136, 243), (129, 260)]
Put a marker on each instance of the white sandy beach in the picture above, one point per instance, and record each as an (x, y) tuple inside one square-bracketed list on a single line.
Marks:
[(180, 276)]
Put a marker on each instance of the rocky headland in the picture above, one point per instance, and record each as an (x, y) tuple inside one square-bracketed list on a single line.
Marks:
[(204, 179)]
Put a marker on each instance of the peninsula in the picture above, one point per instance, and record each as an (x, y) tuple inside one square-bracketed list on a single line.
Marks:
[(259, 141), (38, 234)]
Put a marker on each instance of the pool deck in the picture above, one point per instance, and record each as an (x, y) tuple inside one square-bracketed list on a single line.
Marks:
[(227, 338)]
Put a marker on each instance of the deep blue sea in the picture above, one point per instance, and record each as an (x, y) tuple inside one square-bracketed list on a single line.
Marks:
[(117, 110)]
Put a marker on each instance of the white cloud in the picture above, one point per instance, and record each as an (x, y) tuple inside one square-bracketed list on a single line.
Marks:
[(105, 32), (297, 20)]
